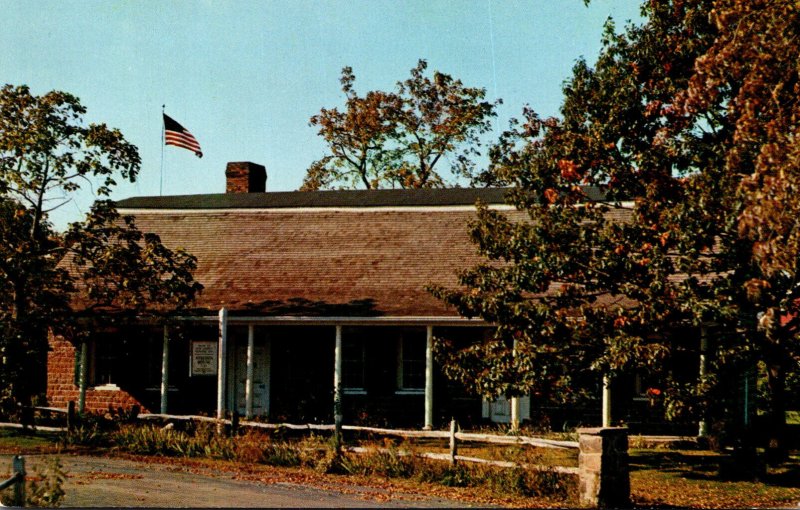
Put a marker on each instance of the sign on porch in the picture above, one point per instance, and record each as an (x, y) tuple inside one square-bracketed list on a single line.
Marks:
[(204, 358)]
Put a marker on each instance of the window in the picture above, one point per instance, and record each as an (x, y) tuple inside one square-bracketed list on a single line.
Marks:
[(128, 359), (411, 363), (353, 365), (108, 363)]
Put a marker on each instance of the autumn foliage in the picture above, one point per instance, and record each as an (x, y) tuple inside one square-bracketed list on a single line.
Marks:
[(663, 198), (399, 139)]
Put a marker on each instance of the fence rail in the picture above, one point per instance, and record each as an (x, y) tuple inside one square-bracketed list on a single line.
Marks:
[(425, 434), (602, 470), (17, 480)]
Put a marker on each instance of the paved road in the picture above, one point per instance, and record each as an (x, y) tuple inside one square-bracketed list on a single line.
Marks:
[(115, 482)]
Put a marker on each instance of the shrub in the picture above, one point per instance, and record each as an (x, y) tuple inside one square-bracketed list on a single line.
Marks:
[(86, 434), (449, 475), (45, 489)]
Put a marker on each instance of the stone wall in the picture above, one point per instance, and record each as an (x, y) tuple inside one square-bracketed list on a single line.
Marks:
[(61, 387)]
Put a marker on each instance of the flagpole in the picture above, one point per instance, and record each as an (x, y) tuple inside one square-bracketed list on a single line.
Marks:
[(161, 186)]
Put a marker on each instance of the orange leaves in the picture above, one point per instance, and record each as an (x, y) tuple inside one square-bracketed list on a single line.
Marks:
[(550, 195), (755, 287), (569, 170)]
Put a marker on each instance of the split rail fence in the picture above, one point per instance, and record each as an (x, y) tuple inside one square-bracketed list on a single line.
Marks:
[(602, 471), (17, 480)]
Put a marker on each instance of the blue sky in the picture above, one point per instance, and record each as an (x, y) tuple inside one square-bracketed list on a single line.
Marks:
[(245, 77)]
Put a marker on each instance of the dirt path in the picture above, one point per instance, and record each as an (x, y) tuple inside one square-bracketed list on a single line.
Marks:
[(119, 482)]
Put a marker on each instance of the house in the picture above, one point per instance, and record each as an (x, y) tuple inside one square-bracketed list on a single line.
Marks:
[(309, 297), (300, 288)]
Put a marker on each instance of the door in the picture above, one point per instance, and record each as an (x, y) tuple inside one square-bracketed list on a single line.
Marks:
[(261, 365), (499, 411)]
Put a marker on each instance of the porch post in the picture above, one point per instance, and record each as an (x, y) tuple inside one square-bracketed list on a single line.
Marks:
[(165, 370), (514, 402), (222, 354), (83, 377), (248, 385), (429, 379), (606, 411), (702, 426), (337, 383)]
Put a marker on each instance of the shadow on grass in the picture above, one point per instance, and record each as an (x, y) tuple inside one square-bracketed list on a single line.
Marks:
[(707, 466)]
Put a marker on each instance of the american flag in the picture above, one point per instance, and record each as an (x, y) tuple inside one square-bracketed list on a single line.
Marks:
[(179, 136)]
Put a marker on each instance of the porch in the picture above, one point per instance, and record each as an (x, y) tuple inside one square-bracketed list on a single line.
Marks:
[(381, 370)]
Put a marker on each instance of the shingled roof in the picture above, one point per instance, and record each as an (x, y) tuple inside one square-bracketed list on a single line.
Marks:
[(328, 253)]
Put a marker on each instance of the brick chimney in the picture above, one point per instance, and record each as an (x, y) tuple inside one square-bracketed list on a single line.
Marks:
[(245, 177)]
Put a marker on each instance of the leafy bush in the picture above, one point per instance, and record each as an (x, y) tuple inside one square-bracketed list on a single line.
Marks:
[(86, 434), (388, 462), (168, 441), (449, 475), (383, 459), (47, 488), (44, 489)]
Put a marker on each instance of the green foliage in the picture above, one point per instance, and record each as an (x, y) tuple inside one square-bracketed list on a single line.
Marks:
[(398, 139), (203, 441), (663, 197), (385, 460), (45, 489), (86, 434), (101, 265)]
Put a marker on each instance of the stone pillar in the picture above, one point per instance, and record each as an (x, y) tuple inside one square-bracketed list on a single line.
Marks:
[(604, 476)]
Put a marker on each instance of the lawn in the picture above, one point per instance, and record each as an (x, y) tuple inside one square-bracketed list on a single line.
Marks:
[(659, 477), (21, 441), (690, 479)]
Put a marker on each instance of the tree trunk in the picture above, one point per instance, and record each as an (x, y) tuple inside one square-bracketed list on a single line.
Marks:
[(776, 381)]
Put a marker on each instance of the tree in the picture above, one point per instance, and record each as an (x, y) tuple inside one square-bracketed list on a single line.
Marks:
[(49, 279), (398, 139), (579, 286), (693, 116), (751, 69)]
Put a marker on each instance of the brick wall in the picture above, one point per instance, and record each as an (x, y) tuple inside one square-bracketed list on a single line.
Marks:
[(245, 177), (61, 386)]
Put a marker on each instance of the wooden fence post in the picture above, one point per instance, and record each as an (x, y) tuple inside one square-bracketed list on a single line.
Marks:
[(234, 423), (603, 471), (18, 466), (70, 415), (453, 442)]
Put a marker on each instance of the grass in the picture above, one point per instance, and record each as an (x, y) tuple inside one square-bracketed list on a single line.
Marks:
[(691, 479), (687, 478), (21, 441)]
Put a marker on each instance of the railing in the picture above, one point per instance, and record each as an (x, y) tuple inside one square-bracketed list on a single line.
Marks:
[(17, 480)]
